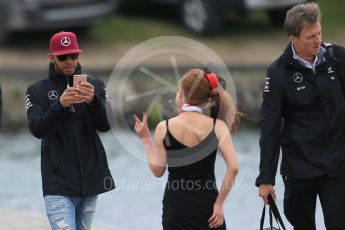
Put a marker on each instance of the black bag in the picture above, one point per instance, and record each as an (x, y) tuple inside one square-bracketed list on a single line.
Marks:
[(273, 210)]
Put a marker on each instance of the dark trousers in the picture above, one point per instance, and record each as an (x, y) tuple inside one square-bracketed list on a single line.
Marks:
[(300, 201)]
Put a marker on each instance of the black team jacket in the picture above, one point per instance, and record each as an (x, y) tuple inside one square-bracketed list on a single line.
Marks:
[(73, 160), (303, 113)]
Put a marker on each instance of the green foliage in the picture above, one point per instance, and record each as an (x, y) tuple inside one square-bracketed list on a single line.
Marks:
[(131, 28), (332, 17), (155, 113)]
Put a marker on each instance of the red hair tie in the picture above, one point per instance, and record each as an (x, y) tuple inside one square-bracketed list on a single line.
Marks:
[(213, 80)]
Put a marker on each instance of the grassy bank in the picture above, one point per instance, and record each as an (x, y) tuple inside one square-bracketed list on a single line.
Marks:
[(140, 24)]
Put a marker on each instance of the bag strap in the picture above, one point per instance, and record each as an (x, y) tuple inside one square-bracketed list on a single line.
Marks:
[(275, 211), (330, 49), (331, 67), (262, 221)]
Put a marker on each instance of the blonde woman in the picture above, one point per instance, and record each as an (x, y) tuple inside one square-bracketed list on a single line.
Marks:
[(187, 145)]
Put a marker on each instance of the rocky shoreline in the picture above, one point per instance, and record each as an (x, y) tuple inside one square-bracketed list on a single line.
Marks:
[(248, 91)]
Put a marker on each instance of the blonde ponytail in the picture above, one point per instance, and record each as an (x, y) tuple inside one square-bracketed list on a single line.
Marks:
[(225, 109)]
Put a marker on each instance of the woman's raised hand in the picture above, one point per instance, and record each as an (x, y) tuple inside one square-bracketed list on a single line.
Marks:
[(141, 127)]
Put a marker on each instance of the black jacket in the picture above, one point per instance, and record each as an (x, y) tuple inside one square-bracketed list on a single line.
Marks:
[(73, 160), (303, 113)]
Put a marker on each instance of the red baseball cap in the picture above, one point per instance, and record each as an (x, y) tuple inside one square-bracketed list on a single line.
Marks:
[(64, 43)]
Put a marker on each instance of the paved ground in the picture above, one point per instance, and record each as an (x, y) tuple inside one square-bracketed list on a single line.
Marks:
[(13, 220)]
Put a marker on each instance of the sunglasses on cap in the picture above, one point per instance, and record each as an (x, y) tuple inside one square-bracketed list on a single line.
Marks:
[(64, 57)]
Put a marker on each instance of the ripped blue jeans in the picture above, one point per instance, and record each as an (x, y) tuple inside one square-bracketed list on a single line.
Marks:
[(67, 213)]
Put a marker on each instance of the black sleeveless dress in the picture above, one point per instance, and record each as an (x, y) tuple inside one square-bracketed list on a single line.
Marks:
[(191, 189)]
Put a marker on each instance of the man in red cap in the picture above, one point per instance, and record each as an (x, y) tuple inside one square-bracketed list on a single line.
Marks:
[(74, 166)]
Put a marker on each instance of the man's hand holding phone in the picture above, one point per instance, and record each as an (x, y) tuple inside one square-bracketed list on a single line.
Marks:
[(84, 90), (69, 98)]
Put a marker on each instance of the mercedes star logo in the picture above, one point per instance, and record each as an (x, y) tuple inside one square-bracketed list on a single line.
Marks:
[(297, 77), (66, 41), (53, 95)]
